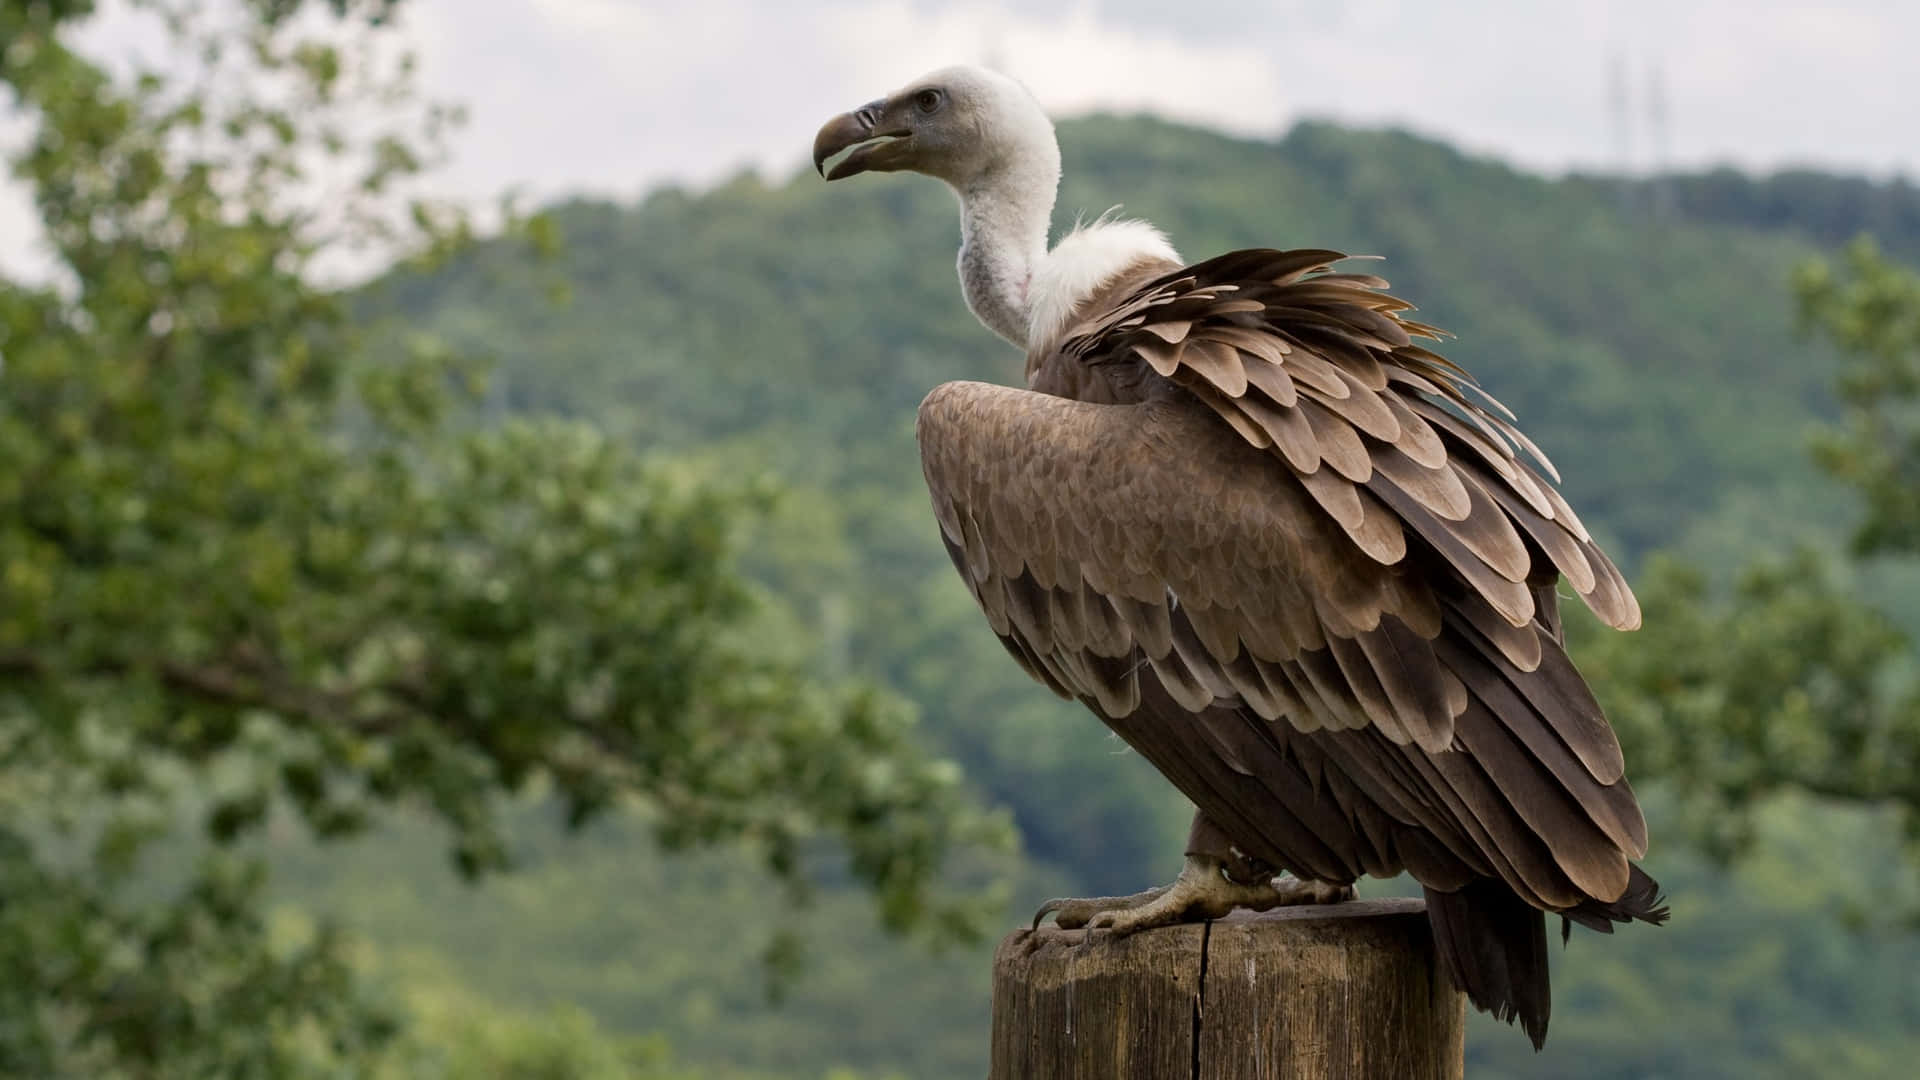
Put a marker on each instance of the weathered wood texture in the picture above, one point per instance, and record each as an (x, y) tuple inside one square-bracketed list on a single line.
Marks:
[(1344, 992)]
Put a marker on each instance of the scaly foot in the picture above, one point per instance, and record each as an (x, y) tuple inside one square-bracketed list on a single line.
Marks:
[(1202, 891), (1072, 914)]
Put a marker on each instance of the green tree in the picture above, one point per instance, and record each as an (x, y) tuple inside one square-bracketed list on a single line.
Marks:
[(1870, 307), (1788, 680), (251, 561)]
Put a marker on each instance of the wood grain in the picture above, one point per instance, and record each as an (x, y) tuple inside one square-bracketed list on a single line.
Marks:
[(1343, 992)]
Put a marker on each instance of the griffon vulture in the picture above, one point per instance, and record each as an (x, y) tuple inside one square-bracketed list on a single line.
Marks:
[(1292, 556)]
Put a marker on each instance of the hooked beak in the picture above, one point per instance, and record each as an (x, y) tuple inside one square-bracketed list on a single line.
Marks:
[(874, 149)]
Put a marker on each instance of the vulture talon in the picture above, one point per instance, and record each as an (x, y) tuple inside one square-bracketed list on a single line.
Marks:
[(1046, 909), (1070, 913), (1203, 892)]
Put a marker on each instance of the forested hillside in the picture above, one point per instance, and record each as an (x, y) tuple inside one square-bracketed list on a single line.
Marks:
[(1820, 207), (791, 328)]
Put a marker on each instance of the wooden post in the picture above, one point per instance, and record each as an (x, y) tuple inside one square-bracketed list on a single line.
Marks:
[(1343, 992)]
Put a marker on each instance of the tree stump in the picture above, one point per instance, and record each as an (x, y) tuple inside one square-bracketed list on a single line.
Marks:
[(1343, 992)]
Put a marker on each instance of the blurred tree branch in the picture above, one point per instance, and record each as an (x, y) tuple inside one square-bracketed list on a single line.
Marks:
[(1790, 680)]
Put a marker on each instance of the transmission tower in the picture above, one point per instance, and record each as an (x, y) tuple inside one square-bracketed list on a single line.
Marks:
[(1660, 185), (1620, 122)]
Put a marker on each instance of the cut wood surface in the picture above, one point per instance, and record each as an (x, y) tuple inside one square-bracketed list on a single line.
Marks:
[(1342, 992)]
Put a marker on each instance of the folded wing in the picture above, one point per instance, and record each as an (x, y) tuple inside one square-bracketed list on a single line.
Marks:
[(1154, 552)]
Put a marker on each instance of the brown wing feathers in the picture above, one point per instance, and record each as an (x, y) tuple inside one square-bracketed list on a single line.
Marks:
[(1323, 368), (1132, 555)]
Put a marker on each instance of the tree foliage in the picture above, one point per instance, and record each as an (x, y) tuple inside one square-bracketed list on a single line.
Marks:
[(1870, 307), (1789, 679), (249, 561), (1829, 210)]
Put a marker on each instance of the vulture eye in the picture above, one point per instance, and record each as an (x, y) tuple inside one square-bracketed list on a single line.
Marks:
[(928, 101)]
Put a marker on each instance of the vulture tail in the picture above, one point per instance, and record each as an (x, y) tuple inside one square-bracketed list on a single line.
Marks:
[(1494, 946), (1642, 901)]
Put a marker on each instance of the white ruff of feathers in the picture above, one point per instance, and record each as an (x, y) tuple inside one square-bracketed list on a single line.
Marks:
[(1013, 284), (1081, 263)]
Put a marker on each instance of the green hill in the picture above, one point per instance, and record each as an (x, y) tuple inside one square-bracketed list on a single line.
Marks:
[(1820, 207), (792, 328)]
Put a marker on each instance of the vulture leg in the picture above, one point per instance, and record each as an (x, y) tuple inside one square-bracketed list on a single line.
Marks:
[(1204, 891), (1204, 839), (1217, 879), (1209, 840)]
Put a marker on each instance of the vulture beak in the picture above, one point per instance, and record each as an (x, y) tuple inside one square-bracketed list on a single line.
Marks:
[(875, 149)]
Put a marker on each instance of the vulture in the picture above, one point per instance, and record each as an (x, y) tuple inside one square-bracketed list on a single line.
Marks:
[(1288, 553)]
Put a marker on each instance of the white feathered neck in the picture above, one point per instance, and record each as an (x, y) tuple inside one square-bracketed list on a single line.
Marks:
[(1013, 283), (1024, 292)]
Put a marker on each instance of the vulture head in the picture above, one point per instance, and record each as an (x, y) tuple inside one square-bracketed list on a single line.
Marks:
[(958, 124), (986, 136)]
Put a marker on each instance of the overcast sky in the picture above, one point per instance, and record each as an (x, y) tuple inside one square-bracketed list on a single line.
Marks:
[(613, 96)]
